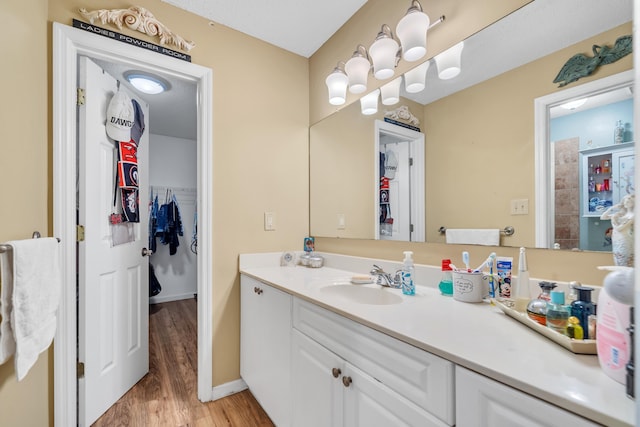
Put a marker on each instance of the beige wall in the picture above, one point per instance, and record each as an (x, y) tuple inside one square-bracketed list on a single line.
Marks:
[(260, 162)]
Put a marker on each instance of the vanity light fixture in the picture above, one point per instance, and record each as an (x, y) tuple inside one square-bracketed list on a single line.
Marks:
[(412, 32), (146, 82), (337, 84), (357, 69), (414, 79), (383, 55), (390, 92), (448, 62), (369, 103)]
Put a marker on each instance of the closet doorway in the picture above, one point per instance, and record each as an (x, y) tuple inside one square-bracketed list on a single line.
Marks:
[(69, 45)]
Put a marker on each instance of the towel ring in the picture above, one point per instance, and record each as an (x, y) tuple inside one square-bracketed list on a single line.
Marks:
[(507, 231)]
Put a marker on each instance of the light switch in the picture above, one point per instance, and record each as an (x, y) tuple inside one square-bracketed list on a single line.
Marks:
[(269, 221), (520, 207), (341, 222)]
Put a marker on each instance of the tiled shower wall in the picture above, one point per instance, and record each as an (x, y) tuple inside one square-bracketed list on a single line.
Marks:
[(567, 193)]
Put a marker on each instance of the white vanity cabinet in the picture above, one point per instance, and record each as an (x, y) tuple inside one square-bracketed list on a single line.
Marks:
[(346, 374), (265, 346), (483, 402)]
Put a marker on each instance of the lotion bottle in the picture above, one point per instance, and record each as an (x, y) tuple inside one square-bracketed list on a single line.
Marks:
[(408, 287)]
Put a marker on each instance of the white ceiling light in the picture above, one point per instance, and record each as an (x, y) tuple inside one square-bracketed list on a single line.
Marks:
[(412, 32), (448, 62), (337, 84), (572, 105), (390, 93), (414, 80), (357, 69), (146, 82), (369, 103)]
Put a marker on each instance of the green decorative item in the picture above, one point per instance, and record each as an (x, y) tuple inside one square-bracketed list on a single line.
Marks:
[(581, 65)]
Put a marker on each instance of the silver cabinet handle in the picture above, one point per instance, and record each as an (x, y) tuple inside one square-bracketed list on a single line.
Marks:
[(347, 381), (336, 372)]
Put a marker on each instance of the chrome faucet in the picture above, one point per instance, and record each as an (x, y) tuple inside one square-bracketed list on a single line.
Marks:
[(385, 279)]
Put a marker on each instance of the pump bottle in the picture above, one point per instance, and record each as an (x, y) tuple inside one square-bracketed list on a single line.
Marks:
[(408, 287)]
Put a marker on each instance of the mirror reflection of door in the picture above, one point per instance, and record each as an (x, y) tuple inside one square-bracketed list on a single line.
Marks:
[(400, 200), (592, 159)]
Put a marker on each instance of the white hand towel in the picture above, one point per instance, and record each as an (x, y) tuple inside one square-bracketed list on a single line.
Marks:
[(37, 282), (7, 342), (474, 236)]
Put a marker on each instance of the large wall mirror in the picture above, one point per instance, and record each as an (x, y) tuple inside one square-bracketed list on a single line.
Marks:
[(480, 129)]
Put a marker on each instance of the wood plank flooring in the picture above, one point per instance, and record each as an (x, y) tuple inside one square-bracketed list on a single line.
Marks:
[(167, 395)]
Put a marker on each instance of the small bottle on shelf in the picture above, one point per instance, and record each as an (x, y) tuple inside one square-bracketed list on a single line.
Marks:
[(592, 184), (574, 330), (537, 308), (582, 308), (618, 133), (557, 313)]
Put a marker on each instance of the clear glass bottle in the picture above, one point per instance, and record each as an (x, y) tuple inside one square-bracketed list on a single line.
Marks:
[(537, 308), (558, 313), (446, 281)]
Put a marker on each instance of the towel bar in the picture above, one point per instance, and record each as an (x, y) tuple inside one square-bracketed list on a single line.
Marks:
[(507, 231), (7, 248)]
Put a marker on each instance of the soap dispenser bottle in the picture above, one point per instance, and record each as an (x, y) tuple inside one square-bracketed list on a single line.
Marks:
[(446, 282), (408, 287), (582, 308)]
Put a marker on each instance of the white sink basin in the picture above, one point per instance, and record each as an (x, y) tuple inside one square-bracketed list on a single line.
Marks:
[(363, 294)]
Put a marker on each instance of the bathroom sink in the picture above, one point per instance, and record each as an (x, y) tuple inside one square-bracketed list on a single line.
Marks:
[(363, 294)]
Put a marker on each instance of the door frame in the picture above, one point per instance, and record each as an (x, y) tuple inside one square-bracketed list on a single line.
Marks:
[(68, 44), (416, 143), (544, 176)]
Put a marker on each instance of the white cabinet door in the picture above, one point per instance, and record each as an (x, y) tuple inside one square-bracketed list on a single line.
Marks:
[(316, 384), (369, 403), (265, 346), (483, 402)]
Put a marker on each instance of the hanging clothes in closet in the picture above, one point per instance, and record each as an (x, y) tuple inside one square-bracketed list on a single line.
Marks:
[(165, 222)]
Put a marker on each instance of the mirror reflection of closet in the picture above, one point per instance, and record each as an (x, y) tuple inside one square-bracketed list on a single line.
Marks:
[(400, 193), (591, 162)]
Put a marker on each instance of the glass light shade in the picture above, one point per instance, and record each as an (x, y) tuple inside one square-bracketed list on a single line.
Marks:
[(414, 80), (369, 103), (448, 62), (390, 93), (412, 32), (383, 54), (147, 83), (357, 69), (337, 85)]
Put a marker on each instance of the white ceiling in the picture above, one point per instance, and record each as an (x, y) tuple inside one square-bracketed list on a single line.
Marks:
[(542, 27)]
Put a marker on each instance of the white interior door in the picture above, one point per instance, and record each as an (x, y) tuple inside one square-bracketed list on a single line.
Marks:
[(113, 294)]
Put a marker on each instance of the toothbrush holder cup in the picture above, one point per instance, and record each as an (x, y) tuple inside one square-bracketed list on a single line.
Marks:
[(471, 287)]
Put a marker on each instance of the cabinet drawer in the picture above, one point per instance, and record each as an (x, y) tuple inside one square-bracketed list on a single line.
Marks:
[(419, 376), (483, 402)]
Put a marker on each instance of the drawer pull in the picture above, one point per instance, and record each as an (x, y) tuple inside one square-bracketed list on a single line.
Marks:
[(257, 290), (346, 381), (336, 372)]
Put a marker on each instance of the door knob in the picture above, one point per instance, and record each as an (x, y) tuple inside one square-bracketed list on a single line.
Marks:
[(346, 381), (146, 252), (336, 372)]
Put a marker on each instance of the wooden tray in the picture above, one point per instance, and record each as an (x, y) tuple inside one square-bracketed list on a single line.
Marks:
[(576, 346)]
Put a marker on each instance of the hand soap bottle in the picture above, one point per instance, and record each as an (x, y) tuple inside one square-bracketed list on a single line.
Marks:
[(408, 287), (582, 308), (446, 282)]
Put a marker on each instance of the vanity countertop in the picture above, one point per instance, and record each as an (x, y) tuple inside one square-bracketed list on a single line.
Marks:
[(479, 337)]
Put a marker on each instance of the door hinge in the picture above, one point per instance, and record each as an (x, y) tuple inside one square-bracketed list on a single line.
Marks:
[(79, 233), (80, 369), (80, 96), (410, 161)]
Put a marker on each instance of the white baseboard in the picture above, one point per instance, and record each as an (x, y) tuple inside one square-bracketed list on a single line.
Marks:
[(167, 298), (228, 389)]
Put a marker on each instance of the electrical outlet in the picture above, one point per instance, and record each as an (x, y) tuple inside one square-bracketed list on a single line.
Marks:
[(520, 207), (269, 221), (341, 222)]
